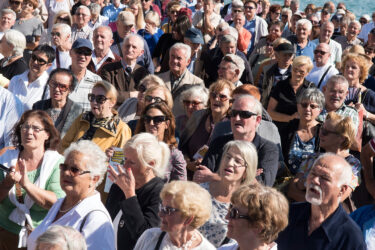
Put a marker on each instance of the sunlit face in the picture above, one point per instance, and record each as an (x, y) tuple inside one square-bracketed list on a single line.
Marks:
[(48, 246), (30, 137), (208, 6), (102, 39), (7, 21), (82, 17), (146, 4), (132, 48), (192, 104), (155, 128), (227, 71), (101, 110), (57, 83), (155, 93), (178, 61), (132, 161), (322, 54), (38, 62), (174, 222), (275, 29), (228, 48), (308, 110), (80, 57), (242, 127), (220, 103), (250, 10), (284, 60), (329, 138), (302, 32), (352, 70), (5, 48), (334, 95), (232, 166), (326, 31), (353, 29), (238, 227), (58, 37), (299, 73), (134, 9), (27, 7), (195, 47)]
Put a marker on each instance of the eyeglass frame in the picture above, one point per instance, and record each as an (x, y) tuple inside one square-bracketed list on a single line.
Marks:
[(91, 97), (166, 210), (36, 129), (73, 170), (40, 61), (237, 215)]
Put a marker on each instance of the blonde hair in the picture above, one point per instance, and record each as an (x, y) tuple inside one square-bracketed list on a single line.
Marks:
[(153, 17), (219, 85), (361, 60), (303, 61), (109, 89), (343, 126), (191, 199), (152, 79), (139, 19)]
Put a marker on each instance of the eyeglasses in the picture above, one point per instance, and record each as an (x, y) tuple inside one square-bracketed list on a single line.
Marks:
[(249, 8), (320, 52), (278, 13), (80, 14), (85, 52), (284, 16), (156, 119), (142, 88), (242, 113), (174, 12), (145, 1), (62, 87), (149, 98), (312, 106), (234, 214), (39, 60), (55, 34), (237, 11), (167, 210), (238, 162), (192, 103), (15, 2), (73, 170), (326, 132), (26, 127), (100, 99), (221, 97), (369, 50)]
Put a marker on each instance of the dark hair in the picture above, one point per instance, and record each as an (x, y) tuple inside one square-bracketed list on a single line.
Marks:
[(34, 3), (182, 24), (48, 50), (54, 135), (72, 79), (275, 7), (251, 1), (271, 37), (278, 23), (169, 133)]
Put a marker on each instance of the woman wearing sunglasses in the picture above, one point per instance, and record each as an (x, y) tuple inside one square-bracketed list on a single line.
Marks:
[(101, 125), (257, 215), (201, 124), (134, 202), (185, 206), (238, 167), (32, 185), (157, 119), (83, 170)]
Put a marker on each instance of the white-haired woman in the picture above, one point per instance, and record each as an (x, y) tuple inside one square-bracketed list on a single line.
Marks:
[(83, 170), (61, 237), (11, 46), (238, 167), (133, 203), (185, 207)]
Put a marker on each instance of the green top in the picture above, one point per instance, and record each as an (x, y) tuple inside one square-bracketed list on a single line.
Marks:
[(37, 212)]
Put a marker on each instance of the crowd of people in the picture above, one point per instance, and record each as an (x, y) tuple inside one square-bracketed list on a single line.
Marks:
[(186, 124)]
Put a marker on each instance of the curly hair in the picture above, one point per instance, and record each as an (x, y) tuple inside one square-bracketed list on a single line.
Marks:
[(343, 126), (218, 86), (54, 136), (267, 208), (363, 63)]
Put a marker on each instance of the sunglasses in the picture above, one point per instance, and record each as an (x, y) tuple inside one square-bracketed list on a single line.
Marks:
[(39, 60), (62, 87), (284, 16), (149, 98), (142, 88), (85, 52), (14, 2), (193, 103), (26, 127), (167, 210), (55, 34), (64, 19), (269, 44), (242, 113), (174, 12), (326, 132), (234, 214), (369, 51), (221, 97), (100, 99), (312, 106), (155, 119), (237, 11), (277, 13), (73, 170), (320, 52)]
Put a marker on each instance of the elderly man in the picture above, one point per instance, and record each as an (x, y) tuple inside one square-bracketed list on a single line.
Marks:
[(31, 86), (80, 27), (102, 53), (290, 29), (322, 70), (81, 56), (326, 32), (96, 19), (126, 74), (61, 40), (321, 222), (294, 6), (351, 38), (303, 46), (231, 69), (7, 20), (193, 37), (275, 28), (366, 29), (178, 77), (245, 117)]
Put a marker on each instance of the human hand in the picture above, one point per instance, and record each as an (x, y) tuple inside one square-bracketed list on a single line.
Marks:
[(150, 29), (202, 174), (259, 171), (21, 176), (359, 107), (124, 178)]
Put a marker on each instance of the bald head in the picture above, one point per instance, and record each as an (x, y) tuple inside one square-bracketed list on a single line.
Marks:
[(326, 32), (322, 54)]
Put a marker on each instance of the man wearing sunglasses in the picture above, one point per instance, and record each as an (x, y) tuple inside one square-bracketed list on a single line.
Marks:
[(322, 70), (245, 117), (31, 86), (61, 34)]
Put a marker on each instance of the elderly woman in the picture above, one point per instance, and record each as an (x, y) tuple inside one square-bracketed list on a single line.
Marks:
[(256, 216), (200, 125), (185, 207), (61, 237), (157, 119), (282, 106), (193, 99), (336, 136), (11, 46), (151, 33), (60, 108), (133, 203), (32, 185), (173, 8), (83, 170), (301, 138), (238, 167), (274, 14)]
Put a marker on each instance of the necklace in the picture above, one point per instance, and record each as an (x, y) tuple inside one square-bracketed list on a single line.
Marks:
[(189, 243), (66, 210)]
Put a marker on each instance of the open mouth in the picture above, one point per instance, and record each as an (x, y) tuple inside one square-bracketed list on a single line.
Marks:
[(228, 170)]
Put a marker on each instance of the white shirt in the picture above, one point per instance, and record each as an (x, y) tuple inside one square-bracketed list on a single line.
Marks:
[(29, 93), (99, 64), (335, 49), (317, 72), (65, 61), (101, 21), (234, 246), (97, 230), (366, 30)]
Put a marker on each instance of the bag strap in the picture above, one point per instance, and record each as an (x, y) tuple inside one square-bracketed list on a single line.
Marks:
[(85, 218), (161, 237), (324, 75)]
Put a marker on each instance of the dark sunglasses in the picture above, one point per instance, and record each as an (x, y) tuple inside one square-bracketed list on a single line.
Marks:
[(278, 13), (237, 11), (156, 119), (312, 106), (320, 52), (284, 16), (55, 34), (326, 132), (193, 103), (233, 213), (62, 87), (39, 60), (100, 99), (14, 3), (242, 113), (149, 98), (73, 170), (222, 98), (64, 19), (85, 52), (167, 210), (142, 88)]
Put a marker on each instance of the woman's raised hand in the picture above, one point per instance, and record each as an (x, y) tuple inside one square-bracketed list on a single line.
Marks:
[(21, 176), (124, 178)]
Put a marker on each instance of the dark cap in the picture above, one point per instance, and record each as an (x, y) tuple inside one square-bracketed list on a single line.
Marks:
[(285, 48), (80, 42), (372, 31), (194, 35)]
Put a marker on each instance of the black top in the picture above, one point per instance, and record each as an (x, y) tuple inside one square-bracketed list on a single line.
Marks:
[(15, 68), (338, 231), (165, 42), (139, 212), (268, 156)]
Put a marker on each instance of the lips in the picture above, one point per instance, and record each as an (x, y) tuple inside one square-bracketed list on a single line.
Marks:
[(229, 170)]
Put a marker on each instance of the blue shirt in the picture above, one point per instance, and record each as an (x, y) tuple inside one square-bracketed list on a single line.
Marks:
[(307, 51), (151, 40), (250, 26), (338, 231), (112, 12), (365, 218)]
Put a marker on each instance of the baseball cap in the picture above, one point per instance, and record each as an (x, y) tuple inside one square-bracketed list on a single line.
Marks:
[(194, 35), (126, 17), (80, 43), (285, 48)]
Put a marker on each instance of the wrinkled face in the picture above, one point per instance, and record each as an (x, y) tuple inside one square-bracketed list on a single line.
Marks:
[(7, 21), (239, 20), (38, 62), (250, 10), (302, 32), (275, 29), (334, 94), (173, 222), (33, 134), (5, 48), (155, 127), (132, 161), (146, 4), (59, 87), (237, 227), (228, 48), (192, 104), (178, 61), (81, 17), (232, 166), (326, 32), (299, 73), (321, 54), (227, 71), (353, 29), (308, 110), (132, 49), (275, 15), (352, 70), (219, 101), (102, 39), (124, 30), (58, 37), (48, 246), (80, 57), (284, 60), (101, 110), (243, 126)]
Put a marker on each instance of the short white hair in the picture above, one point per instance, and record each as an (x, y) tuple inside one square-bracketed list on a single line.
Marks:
[(337, 79), (85, 8), (257, 108), (66, 29), (8, 11), (96, 159), (149, 149), (228, 39), (106, 28), (65, 237), (184, 47), (287, 10), (94, 8), (196, 91), (140, 39), (357, 23), (17, 40), (237, 63), (233, 32), (304, 22)]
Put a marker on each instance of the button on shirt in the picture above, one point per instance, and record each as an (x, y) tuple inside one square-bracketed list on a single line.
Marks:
[(338, 231), (29, 93)]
